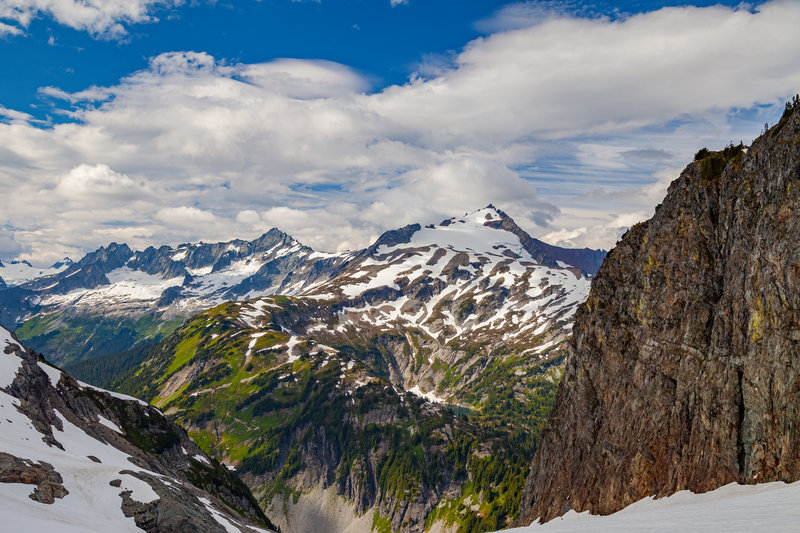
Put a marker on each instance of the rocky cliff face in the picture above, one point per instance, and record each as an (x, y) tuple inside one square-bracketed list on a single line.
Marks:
[(685, 360), (74, 455)]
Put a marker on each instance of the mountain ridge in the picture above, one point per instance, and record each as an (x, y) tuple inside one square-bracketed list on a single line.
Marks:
[(454, 317), (124, 287), (79, 457)]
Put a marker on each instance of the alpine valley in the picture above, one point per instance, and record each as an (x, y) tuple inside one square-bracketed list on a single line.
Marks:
[(396, 388)]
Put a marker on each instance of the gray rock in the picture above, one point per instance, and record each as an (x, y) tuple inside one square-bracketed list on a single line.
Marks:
[(684, 367)]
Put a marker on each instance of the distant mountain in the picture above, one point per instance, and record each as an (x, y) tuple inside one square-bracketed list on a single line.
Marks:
[(146, 294), (77, 458), (18, 272), (66, 262), (684, 365)]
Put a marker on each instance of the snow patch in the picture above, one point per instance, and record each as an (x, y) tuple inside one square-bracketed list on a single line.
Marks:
[(431, 397), (109, 424), (180, 256), (53, 374)]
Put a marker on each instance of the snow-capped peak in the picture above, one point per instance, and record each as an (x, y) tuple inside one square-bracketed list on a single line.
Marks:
[(468, 233), (59, 265), (479, 217)]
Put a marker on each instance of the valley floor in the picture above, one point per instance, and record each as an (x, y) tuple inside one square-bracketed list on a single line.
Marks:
[(732, 508)]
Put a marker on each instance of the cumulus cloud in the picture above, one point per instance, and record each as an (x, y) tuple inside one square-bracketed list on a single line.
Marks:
[(101, 18), (304, 79), (99, 183), (185, 216), (573, 126), (568, 76)]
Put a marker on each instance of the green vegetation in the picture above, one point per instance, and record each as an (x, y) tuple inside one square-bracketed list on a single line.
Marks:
[(104, 370), (381, 524), (278, 422), (68, 339), (712, 164), (791, 107)]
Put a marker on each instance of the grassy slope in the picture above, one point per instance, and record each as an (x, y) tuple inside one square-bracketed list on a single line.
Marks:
[(68, 339), (270, 417)]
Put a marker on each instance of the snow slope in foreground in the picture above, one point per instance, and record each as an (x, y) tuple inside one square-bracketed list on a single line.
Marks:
[(75, 458), (770, 507)]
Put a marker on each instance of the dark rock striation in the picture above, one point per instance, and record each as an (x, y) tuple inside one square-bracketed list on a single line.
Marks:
[(684, 370)]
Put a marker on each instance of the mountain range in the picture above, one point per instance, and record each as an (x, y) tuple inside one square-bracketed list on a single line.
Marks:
[(290, 365), (114, 297)]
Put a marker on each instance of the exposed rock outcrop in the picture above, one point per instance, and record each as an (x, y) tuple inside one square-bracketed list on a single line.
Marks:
[(64, 438), (685, 364)]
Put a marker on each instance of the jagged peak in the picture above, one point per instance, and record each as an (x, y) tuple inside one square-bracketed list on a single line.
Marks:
[(65, 262)]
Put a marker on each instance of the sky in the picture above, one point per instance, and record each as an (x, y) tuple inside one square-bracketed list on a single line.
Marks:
[(166, 121)]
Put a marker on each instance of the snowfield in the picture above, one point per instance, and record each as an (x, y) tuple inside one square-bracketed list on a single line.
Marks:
[(92, 503), (18, 272), (733, 508)]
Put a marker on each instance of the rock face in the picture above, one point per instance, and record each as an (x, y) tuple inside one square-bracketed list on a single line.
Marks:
[(73, 454), (684, 370)]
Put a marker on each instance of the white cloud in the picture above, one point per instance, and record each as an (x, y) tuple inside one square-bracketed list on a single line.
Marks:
[(92, 94), (567, 77), (99, 183), (520, 15), (185, 216), (589, 115), (304, 79), (101, 18), (6, 30), (11, 115)]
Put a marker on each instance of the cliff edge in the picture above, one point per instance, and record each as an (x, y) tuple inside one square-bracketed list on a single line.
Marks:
[(684, 371)]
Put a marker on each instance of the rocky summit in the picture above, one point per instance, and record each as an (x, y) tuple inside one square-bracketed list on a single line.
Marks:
[(684, 366)]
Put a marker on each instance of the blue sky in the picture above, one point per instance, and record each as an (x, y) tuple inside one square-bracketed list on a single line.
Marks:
[(383, 42), (161, 122)]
